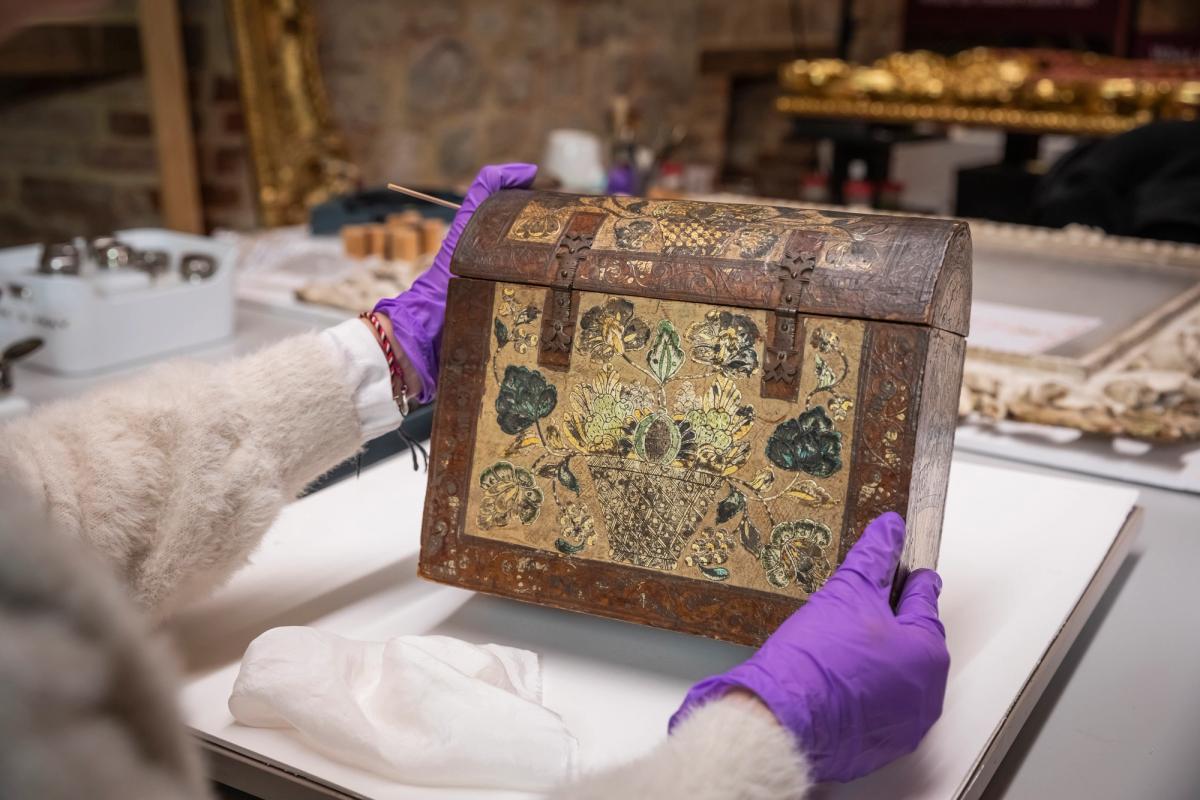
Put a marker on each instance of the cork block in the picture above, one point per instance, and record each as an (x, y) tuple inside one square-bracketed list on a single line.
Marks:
[(355, 241), (378, 240), (405, 242), (432, 233)]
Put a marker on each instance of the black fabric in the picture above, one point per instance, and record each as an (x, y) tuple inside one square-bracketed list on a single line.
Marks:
[(1142, 183)]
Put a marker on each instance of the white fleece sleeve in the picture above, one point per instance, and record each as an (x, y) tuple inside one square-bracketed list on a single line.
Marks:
[(365, 370), (731, 749), (174, 477)]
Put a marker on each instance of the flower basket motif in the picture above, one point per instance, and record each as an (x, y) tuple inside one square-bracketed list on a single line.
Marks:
[(650, 510), (656, 417)]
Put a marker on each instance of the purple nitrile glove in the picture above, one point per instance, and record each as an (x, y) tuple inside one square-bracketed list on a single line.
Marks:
[(856, 683), (417, 314)]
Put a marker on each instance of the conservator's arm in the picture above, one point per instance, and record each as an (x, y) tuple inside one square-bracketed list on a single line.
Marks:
[(730, 749), (175, 476)]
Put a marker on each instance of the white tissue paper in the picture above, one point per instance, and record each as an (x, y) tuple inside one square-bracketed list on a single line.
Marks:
[(428, 710)]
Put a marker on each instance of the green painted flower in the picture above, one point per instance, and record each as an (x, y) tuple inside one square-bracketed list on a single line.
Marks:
[(508, 492), (726, 341), (712, 427), (796, 553), (807, 443), (611, 329), (714, 432), (525, 397)]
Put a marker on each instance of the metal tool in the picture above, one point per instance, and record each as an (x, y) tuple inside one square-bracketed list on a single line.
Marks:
[(110, 253), (154, 262), (197, 267), (13, 353), (428, 198), (59, 258)]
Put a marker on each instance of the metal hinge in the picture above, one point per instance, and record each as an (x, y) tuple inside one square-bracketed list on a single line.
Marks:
[(782, 362), (561, 308)]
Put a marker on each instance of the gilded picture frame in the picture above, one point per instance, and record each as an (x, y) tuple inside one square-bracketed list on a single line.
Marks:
[(1135, 375), (299, 157)]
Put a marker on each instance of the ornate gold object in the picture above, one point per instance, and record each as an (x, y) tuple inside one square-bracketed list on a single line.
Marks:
[(299, 157), (1038, 91)]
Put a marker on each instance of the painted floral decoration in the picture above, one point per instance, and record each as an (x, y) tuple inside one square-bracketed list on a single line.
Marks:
[(715, 431), (708, 551), (811, 494), (611, 330), (726, 341), (809, 443), (514, 331), (604, 414), (657, 446), (525, 397), (755, 241), (611, 417), (825, 341), (508, 491), (796, 553), (840, 407), (577, 528)]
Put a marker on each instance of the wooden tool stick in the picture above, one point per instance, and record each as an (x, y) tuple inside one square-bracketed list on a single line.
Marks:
[(395, 187)]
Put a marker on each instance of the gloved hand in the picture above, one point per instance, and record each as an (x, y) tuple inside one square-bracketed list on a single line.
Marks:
[(417, 314), (857, 684)]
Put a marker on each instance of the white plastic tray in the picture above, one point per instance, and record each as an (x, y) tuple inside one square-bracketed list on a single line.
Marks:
[(90, 326)]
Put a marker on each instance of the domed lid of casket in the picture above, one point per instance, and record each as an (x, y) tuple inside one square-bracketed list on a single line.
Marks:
[(802, 260)]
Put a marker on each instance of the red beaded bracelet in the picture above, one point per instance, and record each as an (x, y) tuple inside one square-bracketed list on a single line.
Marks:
[(399, 385)]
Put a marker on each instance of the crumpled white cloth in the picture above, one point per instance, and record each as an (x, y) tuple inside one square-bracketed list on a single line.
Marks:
[(427, 710)]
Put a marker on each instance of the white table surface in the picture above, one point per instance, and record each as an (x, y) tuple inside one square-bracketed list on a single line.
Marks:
[(1167, 466), (1017, 553), (1120, 719)]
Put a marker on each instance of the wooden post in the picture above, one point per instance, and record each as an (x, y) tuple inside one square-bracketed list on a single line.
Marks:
[(162, 54)]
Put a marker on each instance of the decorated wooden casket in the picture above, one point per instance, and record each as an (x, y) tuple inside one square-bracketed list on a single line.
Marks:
[(683, 413)]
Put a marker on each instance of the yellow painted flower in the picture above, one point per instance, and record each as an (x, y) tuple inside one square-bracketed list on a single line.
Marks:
[(709, 549), (840, 407), (763, 481), (603, 414), (611, 330), (577, 529), (811, 494), (715, 430)]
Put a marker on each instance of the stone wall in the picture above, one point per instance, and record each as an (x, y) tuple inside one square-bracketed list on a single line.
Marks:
[(425, 92)]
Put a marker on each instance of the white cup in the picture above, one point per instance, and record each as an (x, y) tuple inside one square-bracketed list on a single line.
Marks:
[(573, 156)]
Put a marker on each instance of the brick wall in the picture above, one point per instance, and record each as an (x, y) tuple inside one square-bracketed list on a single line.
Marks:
[(77, 161), (79, 158), (222, 151)]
